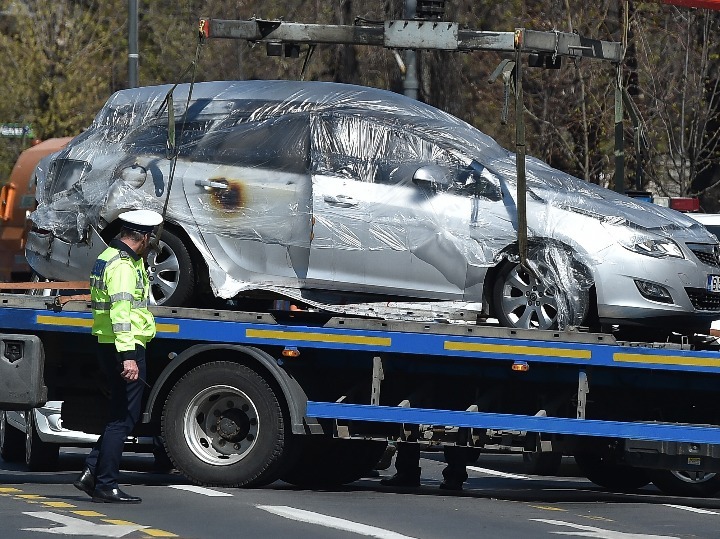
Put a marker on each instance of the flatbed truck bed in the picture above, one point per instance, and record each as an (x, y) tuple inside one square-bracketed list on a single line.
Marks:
[(245, 398)]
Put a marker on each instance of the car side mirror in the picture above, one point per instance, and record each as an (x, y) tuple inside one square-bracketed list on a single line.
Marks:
[(431, 177)]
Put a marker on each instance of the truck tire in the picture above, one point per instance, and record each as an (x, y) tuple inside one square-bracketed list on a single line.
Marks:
[(611, 475), (541, 462), (330, 462), (12, 441), (39, 456), (223, 426), (684, 483)]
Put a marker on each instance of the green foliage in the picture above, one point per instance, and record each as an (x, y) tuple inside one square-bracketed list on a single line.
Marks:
[(63, 58)]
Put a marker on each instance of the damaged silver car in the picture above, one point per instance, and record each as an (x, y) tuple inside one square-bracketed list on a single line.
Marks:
[(352, 199)]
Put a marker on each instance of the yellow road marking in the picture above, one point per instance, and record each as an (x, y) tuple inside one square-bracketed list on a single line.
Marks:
[(158, 533), (548, 508), (597, 518), (31, 496), (518, 350), (58, 504), (9, 489), (84, 513), (119, 522), (666, 360), (316, 337)]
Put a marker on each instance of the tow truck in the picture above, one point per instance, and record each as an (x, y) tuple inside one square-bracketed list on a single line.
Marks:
[(244, 398)]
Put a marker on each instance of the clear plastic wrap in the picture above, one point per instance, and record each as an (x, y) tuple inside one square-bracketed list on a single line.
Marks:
[(322, 186)]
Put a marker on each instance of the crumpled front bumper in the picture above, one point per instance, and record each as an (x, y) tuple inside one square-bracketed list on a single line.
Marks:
[(55, 259)]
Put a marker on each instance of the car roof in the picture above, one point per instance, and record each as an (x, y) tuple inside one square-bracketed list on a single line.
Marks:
[(706, 218)]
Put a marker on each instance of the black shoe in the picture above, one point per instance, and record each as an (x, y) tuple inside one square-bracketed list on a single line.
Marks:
[(402, 480), (113, 495), (451, 485), (86, 482)]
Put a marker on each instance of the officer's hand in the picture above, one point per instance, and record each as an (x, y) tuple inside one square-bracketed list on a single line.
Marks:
[(130, 370)]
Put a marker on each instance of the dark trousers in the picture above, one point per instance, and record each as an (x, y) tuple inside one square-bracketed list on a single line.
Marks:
[(123, 413), (407, 460)]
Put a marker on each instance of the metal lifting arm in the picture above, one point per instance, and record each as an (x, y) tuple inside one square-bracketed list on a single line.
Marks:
[(412, 34)]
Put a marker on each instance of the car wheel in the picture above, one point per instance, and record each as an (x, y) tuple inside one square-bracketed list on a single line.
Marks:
[(171, 272), (686, 483), (39, 456), (12, 441), (606, 473), (223, 425), (556, 294)]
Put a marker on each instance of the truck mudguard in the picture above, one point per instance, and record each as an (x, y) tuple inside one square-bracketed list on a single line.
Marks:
[(292, 392)]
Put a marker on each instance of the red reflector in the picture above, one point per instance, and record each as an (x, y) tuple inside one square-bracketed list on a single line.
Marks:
[(685, 203)]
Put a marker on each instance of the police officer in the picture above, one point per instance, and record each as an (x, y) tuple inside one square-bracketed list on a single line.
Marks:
[(123, 325)]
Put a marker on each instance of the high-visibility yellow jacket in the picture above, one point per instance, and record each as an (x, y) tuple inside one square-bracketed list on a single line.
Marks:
[(119, 290)]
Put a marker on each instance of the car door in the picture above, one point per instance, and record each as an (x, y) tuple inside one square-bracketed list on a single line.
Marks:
[(248, 189), (359, 240), (382, 223)]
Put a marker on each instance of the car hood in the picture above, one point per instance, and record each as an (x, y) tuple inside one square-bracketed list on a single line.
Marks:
[(558, 189)]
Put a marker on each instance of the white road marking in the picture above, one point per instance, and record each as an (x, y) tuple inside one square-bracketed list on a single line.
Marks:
[(77, 526), (487, 471), (599, 533), (692, 509), (331, 522), (201, 490)]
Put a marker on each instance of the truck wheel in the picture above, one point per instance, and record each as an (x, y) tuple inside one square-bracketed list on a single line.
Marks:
[(171, 272), (609, 474), (330, 462), (686, 483), (223, 425), (39, 456), (12, 441), (542, 462)]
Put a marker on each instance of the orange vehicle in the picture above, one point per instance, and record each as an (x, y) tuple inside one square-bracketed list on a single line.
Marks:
[(17, 200)]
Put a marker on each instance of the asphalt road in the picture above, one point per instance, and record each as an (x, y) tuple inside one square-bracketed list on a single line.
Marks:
[(499, 501)]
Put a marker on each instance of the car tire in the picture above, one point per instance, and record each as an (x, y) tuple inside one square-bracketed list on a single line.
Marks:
[(171, 272), (326, 462), (683, 483), (235, 399), (611, 475), (39, 456), (12, 441), (522, 300)]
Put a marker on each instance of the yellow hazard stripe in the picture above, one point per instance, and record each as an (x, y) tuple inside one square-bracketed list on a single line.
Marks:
[(317, 337), (666, 360), (64, 321), (168, 328), (68, 321), (516, 350)]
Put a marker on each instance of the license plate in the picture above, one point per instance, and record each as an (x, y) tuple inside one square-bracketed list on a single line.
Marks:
[(713, 283)]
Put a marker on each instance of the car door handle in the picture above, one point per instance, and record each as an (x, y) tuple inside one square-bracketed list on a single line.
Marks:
[(211, 184), (340, 200)]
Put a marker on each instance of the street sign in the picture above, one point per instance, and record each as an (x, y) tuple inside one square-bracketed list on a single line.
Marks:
[(16, 131)]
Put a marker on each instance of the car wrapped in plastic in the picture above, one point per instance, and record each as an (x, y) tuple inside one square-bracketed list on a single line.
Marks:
[(352, 198)]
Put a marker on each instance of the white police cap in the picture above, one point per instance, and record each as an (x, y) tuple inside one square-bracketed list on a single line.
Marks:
[(141, 220)]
